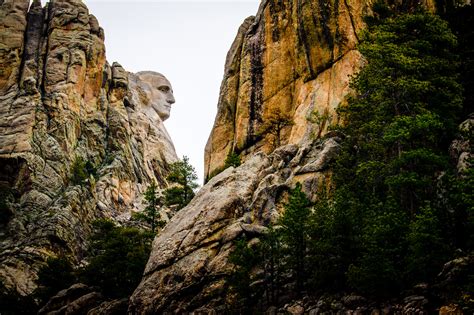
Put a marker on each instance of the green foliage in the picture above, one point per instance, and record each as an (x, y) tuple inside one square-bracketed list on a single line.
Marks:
[(333, 240), (398, 208), (294, 231), (233, 159), (56, 275), (244, 259), (427, 247), (272, 257), (151, 213), (81, 171), (183, 175), (117, 258), (378, 269), (281, 255), (398, 127), (460, 198)]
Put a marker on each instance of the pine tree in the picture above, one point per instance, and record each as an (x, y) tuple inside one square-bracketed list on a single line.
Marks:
[(151, 213), (183, 175), (398, 127), (295, 234)]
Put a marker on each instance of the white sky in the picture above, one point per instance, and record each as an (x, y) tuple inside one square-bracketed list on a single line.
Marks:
[(185, 40)]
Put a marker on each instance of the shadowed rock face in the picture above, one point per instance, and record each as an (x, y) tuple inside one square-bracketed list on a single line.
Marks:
[(60, 100), (295, 56)]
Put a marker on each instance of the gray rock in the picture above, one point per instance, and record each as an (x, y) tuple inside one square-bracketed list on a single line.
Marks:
[(353, 300), (193, 249), (59, 100), (115, 307), (65, 297)]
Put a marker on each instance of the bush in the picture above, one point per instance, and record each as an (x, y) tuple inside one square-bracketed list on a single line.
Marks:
[(81, 171)]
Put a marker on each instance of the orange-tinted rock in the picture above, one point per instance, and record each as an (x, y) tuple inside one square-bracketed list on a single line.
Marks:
[(60, 100), (297, 56)]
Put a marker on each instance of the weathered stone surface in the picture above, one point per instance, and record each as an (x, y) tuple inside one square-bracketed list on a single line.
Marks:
[(65, 297), (450, 310), (461, 148), (81, 299), (60, 100), (115, 307), (12, 29), (188, 265), (295, 56)]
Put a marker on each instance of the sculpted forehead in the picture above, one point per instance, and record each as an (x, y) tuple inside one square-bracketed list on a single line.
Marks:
[(154, 78)]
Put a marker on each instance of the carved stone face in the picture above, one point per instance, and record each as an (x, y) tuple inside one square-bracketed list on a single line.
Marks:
[(158, 91)]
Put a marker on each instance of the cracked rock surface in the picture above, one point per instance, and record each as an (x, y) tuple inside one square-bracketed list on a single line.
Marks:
[(60, 101), (188, 264)]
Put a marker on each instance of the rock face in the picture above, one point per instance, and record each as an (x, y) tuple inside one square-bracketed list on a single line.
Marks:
[(296, 57), (188, 265), (60, 103)]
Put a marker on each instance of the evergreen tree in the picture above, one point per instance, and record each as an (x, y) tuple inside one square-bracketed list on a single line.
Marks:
[(183, 175), (244, 259), (117, 257), (151, 213), (333, 239), (398, 127), (271, 255), (294, 231)]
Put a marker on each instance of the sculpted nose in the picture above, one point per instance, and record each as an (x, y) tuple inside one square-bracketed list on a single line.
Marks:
[(170, 99)]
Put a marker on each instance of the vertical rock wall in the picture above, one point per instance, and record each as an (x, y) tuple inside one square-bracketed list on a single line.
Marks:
[(295, 56), (60, 101)]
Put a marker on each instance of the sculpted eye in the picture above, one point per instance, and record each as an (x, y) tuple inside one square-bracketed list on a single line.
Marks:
[(164, 88)]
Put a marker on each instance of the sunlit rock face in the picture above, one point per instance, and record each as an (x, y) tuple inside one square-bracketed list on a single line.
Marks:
[(61, 101), (296, 56)]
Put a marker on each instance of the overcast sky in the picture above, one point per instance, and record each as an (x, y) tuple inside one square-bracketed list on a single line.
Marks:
[(187, 41)]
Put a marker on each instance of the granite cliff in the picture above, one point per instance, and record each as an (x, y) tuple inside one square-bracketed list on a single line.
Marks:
[(293, 56), (62, 106)]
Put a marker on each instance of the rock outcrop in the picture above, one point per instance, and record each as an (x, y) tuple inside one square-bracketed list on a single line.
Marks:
[(61, 107), (296, 57), (188, 265)]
